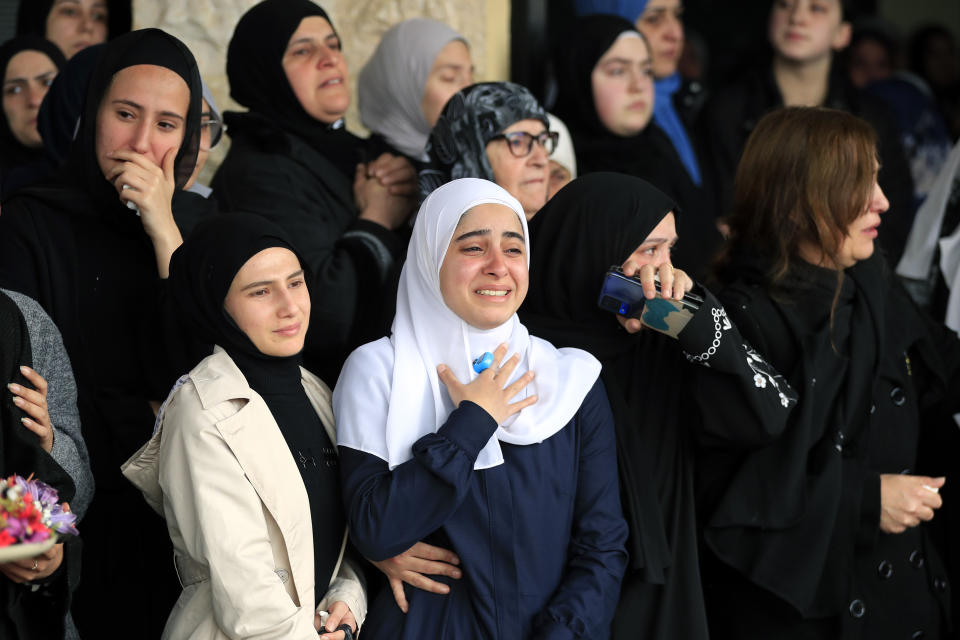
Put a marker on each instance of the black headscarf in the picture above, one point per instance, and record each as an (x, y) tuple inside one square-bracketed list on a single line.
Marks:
[(259, 82), (597, 147), (204, 266), (145, 46), (594, 222), (649, 154), (12, 153), (63, 104), (32, 17), (457, 146)]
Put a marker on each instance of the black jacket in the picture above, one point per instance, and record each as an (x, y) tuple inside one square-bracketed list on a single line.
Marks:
[(791, 530), (354, 263), (732, 113)]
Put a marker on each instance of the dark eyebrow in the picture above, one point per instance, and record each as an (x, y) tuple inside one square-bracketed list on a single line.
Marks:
[(617, 60), (471, 234), (131, 103), (262, 283), (657, 240), (303, 40), (485, 232)]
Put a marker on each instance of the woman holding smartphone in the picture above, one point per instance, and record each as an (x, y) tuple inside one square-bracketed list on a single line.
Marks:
[(515, 474), (249, 433), (840, 528), (605, 219)]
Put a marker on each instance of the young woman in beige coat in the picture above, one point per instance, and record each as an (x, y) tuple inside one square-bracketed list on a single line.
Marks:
[(242, 464)]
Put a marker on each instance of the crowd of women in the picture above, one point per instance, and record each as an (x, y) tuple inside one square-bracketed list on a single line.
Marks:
[(364, 386)]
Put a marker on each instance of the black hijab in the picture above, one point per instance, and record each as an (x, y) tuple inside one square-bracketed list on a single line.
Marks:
[(259, 82), (32, 17), (204, 266), (63, 104), (648, 154), (12, 153), (146, 46), (594, 222)]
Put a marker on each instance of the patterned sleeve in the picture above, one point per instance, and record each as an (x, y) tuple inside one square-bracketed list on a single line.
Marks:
[(743, 399)]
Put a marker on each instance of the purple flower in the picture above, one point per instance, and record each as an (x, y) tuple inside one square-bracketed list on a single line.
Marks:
[(62, 521)]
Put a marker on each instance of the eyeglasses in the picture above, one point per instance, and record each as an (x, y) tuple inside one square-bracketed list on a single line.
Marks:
[(520, 143), (210, 133)]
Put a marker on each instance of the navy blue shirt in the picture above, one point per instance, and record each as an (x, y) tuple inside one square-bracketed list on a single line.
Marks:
[(540, 538)]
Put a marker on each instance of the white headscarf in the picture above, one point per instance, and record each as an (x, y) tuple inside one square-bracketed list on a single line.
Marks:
[(390, 86), (389, 394), (563, 154)]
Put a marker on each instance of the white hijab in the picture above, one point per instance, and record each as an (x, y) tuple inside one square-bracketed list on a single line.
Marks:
[(389, 394), (390, 87), (564, 154)]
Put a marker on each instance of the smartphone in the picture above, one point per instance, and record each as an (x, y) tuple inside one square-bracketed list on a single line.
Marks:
[(623, 295)]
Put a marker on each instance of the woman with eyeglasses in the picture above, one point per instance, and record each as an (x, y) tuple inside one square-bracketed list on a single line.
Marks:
[(193, 203), (496, 131), (607, 101)]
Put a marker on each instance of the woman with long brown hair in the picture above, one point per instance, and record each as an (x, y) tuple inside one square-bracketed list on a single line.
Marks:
[(835, 530)]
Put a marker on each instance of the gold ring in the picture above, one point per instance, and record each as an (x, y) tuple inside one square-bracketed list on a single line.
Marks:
[(36, 564)]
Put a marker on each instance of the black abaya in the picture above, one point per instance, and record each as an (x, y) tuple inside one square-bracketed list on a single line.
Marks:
[(793, 529), (76, 249), (599, 220)]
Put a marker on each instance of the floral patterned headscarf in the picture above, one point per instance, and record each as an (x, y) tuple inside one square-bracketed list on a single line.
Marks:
[(471, 118)]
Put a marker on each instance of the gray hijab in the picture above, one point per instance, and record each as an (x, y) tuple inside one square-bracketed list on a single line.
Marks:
[(390, 86), (473, 117)]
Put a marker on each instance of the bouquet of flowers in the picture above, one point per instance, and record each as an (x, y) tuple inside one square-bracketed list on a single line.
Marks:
[(31, 516)]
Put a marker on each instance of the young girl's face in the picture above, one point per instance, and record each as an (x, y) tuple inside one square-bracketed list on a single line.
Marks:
[(622, 84), (804, 31), (144, 110), (484, 277), (269, 301)]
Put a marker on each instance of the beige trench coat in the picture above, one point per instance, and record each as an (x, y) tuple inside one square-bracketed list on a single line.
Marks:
[(220, 472)]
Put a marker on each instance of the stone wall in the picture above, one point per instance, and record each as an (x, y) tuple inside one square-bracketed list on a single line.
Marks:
[(206, 27)]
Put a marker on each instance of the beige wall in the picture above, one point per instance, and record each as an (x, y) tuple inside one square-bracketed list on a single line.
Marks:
[(206, 27)]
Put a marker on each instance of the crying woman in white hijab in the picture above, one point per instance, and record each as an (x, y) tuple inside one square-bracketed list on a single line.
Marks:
[(460, 461)]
